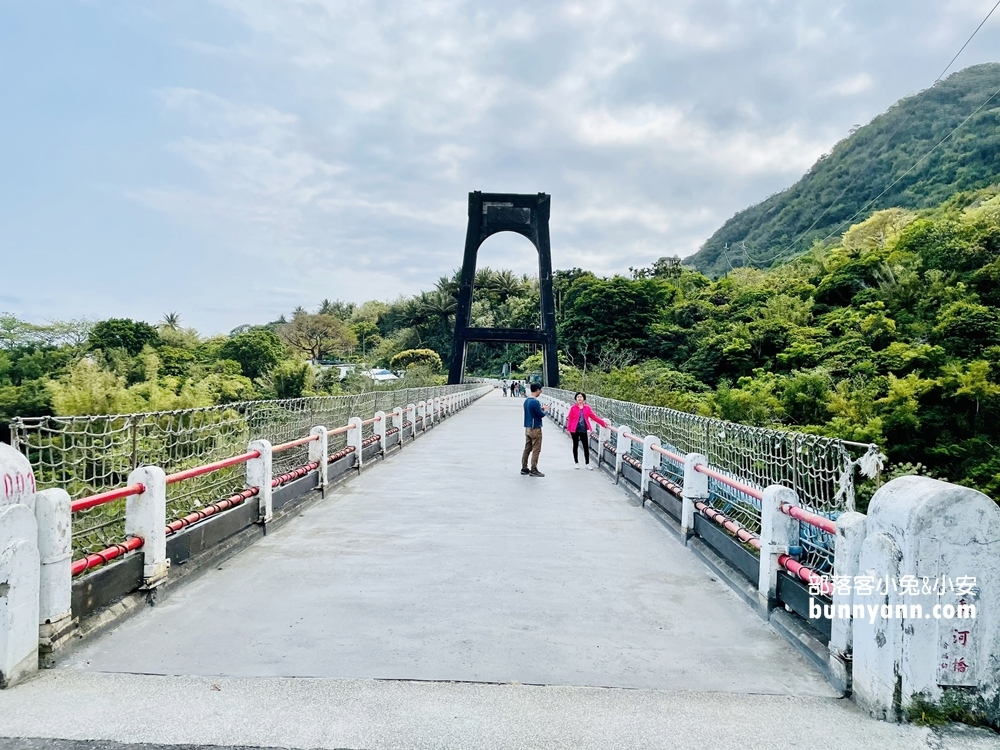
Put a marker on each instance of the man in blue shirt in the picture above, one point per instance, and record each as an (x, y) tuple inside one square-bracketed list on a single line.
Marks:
[(534, 412)]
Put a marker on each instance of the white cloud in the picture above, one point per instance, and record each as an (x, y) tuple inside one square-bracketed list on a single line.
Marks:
[(345, 137), (854, 85)]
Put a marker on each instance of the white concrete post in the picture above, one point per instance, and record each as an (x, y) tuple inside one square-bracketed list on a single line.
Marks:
[(397, 421), (695, 490), (846, 559), (430, 412), (259, 476), (319, 453), (355, 438), (18, 593), (650, 461), (146, 517), (622, 446), (411, 416), (778, 532), (878, 638), (943, 541), (380, 427), (851, 528), (422, 413), (603, 436), (55, 552)]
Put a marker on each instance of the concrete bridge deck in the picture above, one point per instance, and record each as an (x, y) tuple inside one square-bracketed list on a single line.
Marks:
[(361, 624)]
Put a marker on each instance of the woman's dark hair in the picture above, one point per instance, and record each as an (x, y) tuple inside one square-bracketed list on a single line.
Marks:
[(578, 393)]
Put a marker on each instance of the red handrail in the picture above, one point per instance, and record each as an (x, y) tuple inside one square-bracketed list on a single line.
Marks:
[(106, 497), (672, 456), (370, 421), (293, 443), (630, 436), (813, 519), (198, 471), (751, 491), (339, 430), (105, 555), (808, 575)]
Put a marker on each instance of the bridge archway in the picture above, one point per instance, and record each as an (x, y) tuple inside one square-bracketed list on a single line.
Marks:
[(528, 216)]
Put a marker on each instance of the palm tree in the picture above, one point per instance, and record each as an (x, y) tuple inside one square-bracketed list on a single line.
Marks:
[(171, 321), (507, 285), (438, 305), (448, 286)]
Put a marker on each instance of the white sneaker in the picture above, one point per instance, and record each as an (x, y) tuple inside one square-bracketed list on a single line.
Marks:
[(589, 467), (576, 466)]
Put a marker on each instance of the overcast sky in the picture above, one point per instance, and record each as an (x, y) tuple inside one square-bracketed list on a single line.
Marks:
[(230, 160)]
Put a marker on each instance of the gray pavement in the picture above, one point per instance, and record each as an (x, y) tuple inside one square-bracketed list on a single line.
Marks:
[(444, 563), (391, 715), (445, 601)]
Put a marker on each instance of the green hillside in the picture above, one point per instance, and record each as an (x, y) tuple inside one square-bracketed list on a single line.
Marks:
[(842, 183)]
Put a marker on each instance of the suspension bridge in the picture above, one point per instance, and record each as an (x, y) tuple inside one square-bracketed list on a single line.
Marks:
[(375, 572)]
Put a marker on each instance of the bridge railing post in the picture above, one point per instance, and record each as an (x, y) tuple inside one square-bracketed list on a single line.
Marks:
[(397, 422), (422, 414), (380, 428), (623, 445), (411, 417), (851, 529), (934, 634), (603, 436), (259, 477), (355, 439), (319, 453), (695, 490), (779, 532), (650, 460), (146, 518), (19, 571), (55, 552)]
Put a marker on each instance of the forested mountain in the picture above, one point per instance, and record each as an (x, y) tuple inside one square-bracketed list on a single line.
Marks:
[(877, 166)]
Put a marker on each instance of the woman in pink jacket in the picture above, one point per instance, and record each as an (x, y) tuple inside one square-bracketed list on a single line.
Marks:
[(579, 425)]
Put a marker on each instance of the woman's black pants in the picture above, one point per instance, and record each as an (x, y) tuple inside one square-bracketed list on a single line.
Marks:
[(578, 438)]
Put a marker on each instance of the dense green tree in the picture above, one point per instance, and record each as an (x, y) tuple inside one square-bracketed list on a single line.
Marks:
[(257, 351), (417, 357), (123, 333)]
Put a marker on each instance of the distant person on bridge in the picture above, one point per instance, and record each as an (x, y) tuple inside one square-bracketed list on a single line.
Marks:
[(578, 424), (505, 388), (534, 412)]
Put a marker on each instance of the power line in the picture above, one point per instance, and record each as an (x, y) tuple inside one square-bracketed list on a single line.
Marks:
[(876, 152), (914, 165)]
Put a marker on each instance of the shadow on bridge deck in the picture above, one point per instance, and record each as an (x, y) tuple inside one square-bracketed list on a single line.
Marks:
[(445, 563)]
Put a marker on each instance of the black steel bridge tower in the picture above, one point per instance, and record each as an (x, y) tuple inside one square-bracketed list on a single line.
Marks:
[(528, 216)]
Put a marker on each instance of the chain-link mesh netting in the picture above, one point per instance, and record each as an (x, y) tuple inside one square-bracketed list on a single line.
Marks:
[(820, 469), (89, 454)]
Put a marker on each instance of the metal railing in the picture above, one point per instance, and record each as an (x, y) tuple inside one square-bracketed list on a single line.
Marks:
[(91, 455), (821, 470)]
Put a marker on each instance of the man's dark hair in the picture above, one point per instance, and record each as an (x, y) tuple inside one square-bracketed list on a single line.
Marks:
[(535, 387)]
